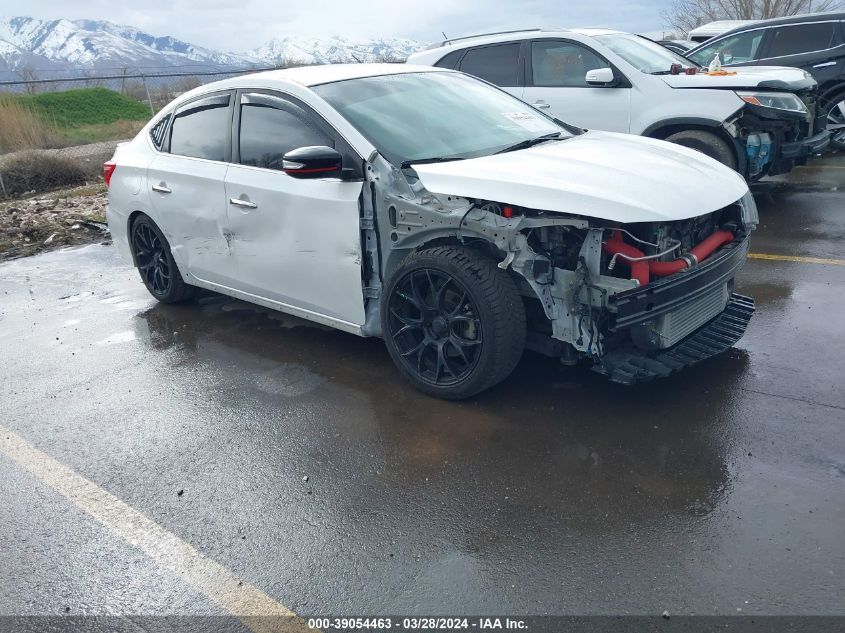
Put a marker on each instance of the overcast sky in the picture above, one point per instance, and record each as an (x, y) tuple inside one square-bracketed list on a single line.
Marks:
[(239, 25)]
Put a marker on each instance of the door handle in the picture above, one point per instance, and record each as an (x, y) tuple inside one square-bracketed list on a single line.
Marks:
[(824, 65), (541, 104), (246, 204), (162, 188)]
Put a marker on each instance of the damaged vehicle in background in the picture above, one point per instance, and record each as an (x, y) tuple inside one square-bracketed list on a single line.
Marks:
[(438, 212), (760, 121)]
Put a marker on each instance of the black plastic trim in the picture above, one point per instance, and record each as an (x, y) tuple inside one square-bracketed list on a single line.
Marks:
[(680, 121), (628, 365), (806, 147)]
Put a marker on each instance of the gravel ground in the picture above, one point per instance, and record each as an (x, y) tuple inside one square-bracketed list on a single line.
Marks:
[(82, 152), (48, 221)]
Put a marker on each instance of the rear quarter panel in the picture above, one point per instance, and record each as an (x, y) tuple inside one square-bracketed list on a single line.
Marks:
[(128, 191)]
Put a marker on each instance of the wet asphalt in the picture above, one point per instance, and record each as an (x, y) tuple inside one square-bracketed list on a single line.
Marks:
[(311, 470)]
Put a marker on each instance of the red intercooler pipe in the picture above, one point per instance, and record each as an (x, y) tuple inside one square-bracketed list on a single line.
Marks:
[(639, 270), (642, 270)]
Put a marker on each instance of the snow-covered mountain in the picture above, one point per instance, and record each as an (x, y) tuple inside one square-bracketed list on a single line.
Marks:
[(91, 44), (42, 47), (332, 50)]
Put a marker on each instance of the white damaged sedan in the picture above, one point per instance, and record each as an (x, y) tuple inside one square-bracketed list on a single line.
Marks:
[(438, 212)]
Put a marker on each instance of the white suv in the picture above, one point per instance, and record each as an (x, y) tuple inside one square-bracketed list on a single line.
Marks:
[(442, 214), (759, 121)]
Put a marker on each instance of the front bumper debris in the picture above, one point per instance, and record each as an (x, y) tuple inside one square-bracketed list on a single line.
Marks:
[(628, 365), (806, 147)]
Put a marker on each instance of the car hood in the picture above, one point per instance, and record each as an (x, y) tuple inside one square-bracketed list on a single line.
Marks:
[(618, 177), (772, 77)]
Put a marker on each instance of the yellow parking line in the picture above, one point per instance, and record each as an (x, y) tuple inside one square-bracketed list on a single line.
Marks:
[(250, 605), (796, 258)]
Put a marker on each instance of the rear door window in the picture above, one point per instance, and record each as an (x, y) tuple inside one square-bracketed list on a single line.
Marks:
[(201, 128), (801, 38), (498, 64)]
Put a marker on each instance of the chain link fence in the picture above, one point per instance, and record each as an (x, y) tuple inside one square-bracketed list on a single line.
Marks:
[(32, 158), (153, 87)]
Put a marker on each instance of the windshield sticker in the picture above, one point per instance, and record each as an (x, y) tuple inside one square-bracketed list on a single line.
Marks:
[(528, 121)]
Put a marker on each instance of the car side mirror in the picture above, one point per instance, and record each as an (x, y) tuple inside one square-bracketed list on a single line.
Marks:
[(317, 161), (600, 77)]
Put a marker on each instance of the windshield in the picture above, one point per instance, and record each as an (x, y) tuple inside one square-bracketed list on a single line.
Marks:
[(736, 49), (645, 55), (429, 115)]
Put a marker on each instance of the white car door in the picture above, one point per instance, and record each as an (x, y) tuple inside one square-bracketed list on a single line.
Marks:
[(556, 83), (186, 187), (297, 242)]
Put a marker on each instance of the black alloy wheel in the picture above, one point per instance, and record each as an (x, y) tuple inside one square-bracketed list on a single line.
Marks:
[(151, 259), (453, 321), (155, 262), (435, 326)]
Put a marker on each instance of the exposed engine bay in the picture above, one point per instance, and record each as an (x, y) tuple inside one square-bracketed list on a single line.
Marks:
[(771, 142), (620, 295)]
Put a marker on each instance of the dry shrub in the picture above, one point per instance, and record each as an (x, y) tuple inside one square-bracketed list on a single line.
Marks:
[(20, 127), (41, 171)]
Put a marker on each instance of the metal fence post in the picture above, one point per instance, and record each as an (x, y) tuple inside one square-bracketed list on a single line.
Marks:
[(147, 90), (3, 186)]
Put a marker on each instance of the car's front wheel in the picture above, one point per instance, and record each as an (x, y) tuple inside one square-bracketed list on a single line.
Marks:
[(835, 108), (453, 322), (155, 264), (707, 143)]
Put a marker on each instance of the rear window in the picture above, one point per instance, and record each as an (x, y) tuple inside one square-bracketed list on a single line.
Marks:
[(158, 130), (801, 38), (201, 129), (451, 60), (497, 64)]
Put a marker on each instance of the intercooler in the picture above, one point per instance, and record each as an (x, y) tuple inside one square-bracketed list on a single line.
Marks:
[(672, 327)]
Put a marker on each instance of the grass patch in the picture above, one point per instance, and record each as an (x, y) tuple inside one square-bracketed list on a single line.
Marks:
[(85, 106), (70, 117), (116, 130), (21, 128)]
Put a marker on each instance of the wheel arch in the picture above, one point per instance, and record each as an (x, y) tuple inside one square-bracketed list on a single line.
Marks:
[(130, 221), (831, 89), (399, 251), (665, 129)]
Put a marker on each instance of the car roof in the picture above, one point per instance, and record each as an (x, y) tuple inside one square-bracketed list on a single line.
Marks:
[(720, 26), (326, 73), (793, 19), (519, 34)]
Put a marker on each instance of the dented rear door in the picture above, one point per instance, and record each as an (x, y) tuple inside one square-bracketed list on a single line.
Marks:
[(186, 188)]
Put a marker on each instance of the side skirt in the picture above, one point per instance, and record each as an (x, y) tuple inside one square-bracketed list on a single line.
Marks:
[(308, 315)]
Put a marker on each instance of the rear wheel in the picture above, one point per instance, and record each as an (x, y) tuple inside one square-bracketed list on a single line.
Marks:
[(706, 143), (453, 322), (155, 262)]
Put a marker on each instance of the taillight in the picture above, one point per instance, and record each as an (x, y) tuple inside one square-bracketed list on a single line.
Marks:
[(108, 170)]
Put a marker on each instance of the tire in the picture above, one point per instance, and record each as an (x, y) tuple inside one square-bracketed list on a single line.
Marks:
[(834, 108), (154, 261), (453, 322), (706, 143)]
